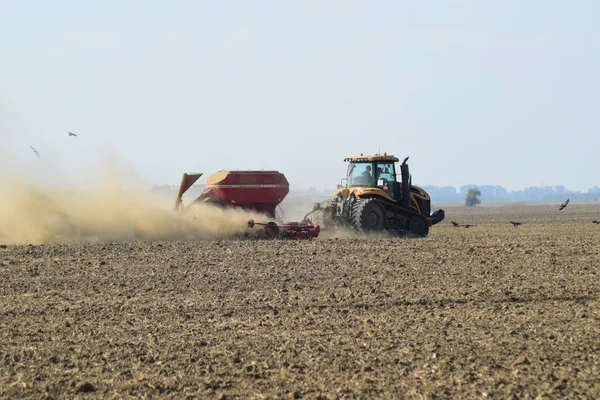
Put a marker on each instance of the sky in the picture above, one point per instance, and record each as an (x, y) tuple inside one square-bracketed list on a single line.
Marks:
[(495, 92)]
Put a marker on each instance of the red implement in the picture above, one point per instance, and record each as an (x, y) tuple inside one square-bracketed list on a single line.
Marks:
[(257, 191), (291, 230)]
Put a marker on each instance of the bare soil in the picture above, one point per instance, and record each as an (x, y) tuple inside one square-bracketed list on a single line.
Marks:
[(491, 311)]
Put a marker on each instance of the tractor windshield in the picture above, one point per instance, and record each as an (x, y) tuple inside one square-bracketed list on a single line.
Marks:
[(361, 174)]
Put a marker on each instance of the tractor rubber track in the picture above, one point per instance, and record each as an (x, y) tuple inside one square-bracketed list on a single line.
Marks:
[(359, 219), (362, 222)]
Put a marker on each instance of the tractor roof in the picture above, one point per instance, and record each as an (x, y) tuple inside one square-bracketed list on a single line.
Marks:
[(372, 158)]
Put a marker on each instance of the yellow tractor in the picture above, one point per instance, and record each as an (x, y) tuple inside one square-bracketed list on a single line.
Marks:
[(371, 199)]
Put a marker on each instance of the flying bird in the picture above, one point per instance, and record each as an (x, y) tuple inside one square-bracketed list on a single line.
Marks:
[(596, 222), (455, 224), (563, 205), (72, 134), (515, 224), (35, 151)]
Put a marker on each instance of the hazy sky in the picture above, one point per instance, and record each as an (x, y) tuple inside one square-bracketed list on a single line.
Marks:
[(480, 92)]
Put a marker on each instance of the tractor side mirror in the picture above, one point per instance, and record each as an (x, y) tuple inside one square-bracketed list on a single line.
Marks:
[(343, 183)]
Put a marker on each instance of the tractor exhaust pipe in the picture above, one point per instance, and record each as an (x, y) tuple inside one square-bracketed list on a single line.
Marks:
[(405, 200)]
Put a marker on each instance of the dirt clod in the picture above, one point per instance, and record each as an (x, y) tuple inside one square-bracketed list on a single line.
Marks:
[(85, 387)]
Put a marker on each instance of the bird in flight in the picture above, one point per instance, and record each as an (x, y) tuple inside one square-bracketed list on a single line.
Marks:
[(72, 134), (35, 151), (563, 205), (455, 224), (515, 224), (596, 222)]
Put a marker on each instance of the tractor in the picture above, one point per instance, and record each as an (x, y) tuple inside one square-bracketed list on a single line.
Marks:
[(370, 199)]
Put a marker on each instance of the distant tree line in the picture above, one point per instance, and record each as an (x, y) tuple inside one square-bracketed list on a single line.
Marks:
[(499, 193)]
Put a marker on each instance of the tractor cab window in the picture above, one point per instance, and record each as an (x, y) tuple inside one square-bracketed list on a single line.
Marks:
[(385, 173), (361, 174)]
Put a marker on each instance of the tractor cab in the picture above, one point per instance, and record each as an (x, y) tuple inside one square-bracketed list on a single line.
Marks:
[(376, 171)]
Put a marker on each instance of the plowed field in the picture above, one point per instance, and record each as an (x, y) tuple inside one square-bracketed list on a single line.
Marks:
[(491, 311)]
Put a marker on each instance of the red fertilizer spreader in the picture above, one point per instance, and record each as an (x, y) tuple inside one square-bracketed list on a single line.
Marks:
[(256, 191)]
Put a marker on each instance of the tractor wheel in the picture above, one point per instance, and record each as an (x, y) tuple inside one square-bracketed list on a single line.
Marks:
[(369, 216), (418, 225)]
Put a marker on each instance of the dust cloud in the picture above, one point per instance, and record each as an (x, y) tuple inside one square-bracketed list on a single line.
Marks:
[(117, 208), (296, 209)]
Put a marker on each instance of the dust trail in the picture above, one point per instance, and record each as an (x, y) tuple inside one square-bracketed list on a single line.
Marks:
[(349, 233), (118, 209), (299, 207)]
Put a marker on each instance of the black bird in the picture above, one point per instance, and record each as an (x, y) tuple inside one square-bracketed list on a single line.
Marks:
[(457, 225), (72, 134), (596, 222), (563, 205), (35, 151), (515, 224)]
